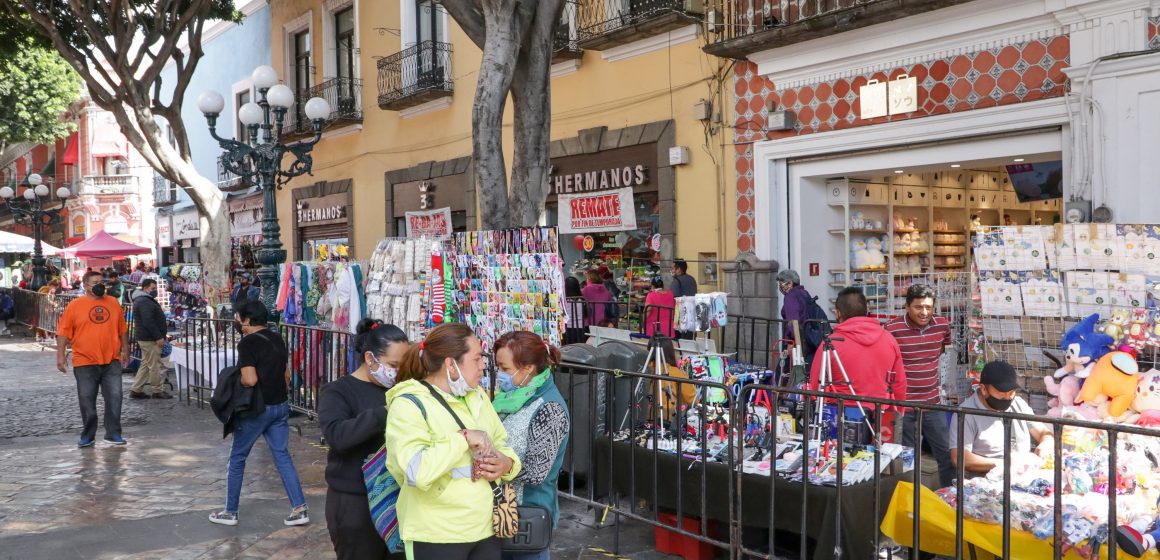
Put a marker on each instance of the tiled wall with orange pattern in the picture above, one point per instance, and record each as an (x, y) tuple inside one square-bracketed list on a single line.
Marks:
[(1154, 32), (999, 76)]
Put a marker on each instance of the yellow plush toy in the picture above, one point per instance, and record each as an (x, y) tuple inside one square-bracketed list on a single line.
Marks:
[(1114, 378)]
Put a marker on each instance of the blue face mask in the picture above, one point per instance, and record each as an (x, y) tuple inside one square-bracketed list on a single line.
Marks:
[(504, 381)]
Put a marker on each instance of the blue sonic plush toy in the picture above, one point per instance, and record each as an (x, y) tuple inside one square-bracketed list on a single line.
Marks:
[(1083, 346)]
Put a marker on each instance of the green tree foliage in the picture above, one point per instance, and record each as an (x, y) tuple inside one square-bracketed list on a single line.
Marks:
[(36, 88)]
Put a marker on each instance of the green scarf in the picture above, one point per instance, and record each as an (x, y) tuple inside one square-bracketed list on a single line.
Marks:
[(507, 402)]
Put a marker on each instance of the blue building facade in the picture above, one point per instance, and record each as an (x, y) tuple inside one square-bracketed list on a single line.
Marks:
[(231, 52)]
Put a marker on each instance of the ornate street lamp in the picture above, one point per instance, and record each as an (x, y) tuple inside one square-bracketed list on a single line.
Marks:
[(31, 209), (261, 158)]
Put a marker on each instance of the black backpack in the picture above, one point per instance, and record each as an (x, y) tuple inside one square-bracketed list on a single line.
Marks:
[(812, 332)]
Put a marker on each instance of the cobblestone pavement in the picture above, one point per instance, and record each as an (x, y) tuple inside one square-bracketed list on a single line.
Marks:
[(149, 500)]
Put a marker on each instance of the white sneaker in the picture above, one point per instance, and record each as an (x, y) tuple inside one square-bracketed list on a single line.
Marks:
[(297, 517), (224, 518)]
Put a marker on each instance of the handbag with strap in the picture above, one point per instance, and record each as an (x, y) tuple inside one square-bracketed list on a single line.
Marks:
[(504, 510), (383, 492)]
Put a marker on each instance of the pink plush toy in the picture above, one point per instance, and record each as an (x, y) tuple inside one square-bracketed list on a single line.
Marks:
[(1083, 346)]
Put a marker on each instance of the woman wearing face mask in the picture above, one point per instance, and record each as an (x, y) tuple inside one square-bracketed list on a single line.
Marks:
[(353, 415), (444, 471), (536, 418)]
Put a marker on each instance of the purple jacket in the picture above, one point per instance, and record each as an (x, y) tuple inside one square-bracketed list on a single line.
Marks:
[(793, 308), (596, 295)]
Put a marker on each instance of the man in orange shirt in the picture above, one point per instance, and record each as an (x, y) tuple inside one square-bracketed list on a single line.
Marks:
[(96, 328)]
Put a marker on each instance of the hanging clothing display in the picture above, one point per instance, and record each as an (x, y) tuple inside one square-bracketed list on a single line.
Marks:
[(399, 282), (510, 280), (322, 294), (701, 312)]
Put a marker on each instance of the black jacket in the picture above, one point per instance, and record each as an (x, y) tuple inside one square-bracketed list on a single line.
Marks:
[(232, 400), (148, 318)]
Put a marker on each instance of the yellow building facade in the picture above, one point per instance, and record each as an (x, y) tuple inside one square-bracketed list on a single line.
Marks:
[(632, 92)]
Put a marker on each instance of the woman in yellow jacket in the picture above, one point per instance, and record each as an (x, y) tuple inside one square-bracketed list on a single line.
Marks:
[(445, 500)]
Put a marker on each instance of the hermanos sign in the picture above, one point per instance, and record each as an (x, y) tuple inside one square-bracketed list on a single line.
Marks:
[(318, 211), (608, 170)]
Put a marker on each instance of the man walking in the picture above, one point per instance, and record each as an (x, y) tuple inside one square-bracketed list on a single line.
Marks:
[(149, 330), (922, 336), (95, 327), (265, 364)]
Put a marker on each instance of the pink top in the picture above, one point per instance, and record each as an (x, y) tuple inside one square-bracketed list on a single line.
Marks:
[(658, 313)]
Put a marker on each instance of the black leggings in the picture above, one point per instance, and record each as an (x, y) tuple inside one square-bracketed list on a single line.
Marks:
[(487, 549)]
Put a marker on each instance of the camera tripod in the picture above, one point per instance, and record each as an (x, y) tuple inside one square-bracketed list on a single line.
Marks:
[(829, 358)]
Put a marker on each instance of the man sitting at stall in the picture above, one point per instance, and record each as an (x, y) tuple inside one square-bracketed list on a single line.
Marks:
[(982, 443), (872, 360)]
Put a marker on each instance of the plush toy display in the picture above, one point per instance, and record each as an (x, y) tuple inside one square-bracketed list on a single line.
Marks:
[(874, 247), (861, 255), (857, 220), (1117, 326), (1146, 405), (1137, 332), (1083, 346), (1113, 382)]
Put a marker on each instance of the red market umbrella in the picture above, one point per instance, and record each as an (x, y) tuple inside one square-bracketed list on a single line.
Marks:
[(103, 245)]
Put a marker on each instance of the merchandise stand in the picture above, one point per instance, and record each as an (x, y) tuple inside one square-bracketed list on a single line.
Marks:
[(508, 280)]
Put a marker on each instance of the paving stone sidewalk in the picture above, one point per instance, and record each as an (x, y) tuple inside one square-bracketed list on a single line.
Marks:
[(149, 500)]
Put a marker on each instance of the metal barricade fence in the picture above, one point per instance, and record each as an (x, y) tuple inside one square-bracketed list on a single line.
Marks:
[(317, 357), (606, 468), (618, 448), (755, 341), (207, 346)]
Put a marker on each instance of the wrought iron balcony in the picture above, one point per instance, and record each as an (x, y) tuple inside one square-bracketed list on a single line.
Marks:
[(228, 181), (108, 184), (566, 39), (603, 24), (164, 191), (738, 28), (344, 96), (415, 76)]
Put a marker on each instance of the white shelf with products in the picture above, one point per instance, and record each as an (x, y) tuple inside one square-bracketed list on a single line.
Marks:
[(913, 225)]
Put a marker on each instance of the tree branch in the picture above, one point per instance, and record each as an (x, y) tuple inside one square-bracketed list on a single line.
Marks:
[(469, 15)]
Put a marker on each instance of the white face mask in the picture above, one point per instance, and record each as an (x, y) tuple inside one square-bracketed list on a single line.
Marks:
[(459, 387), (382, 374)]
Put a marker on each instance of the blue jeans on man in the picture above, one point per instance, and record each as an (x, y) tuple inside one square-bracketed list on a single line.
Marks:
[(936, 434), (273, 425), (106, 379)]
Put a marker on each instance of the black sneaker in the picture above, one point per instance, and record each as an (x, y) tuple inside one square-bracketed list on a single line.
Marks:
[(224, 518), (298, 517)]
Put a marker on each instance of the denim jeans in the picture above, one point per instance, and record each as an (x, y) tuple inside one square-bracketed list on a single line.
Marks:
[(107, 379), (274, 426), (936, 434)]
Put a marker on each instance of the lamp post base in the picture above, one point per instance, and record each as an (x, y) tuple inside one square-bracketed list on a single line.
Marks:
[(39, 273)]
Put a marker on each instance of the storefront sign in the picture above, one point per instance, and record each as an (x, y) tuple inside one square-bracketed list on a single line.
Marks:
[(325, 210), (604, 211), (603, 171), (164, 232), (896, 97), (186, 226), (435, 224)]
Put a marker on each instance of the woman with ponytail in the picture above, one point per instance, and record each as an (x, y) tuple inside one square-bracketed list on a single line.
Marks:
[(536, 418), (353, 416), (445, 445)]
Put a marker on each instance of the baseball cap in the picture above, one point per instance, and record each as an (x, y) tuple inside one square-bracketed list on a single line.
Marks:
[(999, 375)]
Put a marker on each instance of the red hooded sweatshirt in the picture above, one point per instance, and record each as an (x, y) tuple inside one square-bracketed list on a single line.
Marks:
[(868, 352)]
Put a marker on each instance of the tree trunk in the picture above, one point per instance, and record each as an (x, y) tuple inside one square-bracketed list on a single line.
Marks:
[(495, 78), (532, 104)]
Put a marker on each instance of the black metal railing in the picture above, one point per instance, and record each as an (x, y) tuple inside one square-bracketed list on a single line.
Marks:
[(565, 38), (740, 27), (344, 96), (415, 75), (602, 24), (164, 191), (753, 468), (206, 346)]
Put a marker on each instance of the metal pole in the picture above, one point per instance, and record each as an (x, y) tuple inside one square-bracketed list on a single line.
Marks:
[(38, 268)]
